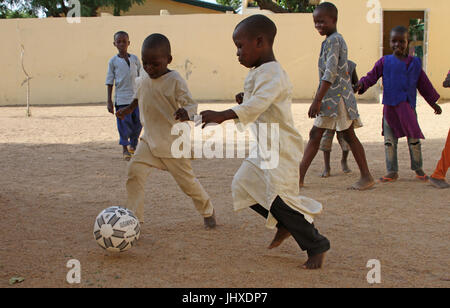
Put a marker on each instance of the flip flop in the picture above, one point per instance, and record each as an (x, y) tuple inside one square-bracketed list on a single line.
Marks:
[(423, 178), (386, 179), (126, 156)]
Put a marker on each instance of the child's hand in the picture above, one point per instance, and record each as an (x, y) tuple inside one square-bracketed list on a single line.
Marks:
[(121, 113), (110, 107), (181, 114), (209, 116), (437, 109), (314, 110), (446, 83), (358, 87), (239, 98)]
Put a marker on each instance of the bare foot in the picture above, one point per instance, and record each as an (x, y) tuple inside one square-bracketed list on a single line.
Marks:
[(280, 236), (325, 173), (210, 222), (439, 183), (363, 184), (345, 167), (314, 262)]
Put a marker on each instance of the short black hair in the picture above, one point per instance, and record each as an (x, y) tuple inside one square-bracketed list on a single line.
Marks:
[(157, 40), (120, 33), (259, 25), (400, 30), (330, 9)]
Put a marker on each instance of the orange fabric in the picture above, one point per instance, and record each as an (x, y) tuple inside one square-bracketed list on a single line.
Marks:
[(444, 163)]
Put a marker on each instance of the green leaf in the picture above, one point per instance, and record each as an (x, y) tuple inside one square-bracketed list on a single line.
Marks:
[(15, 280)]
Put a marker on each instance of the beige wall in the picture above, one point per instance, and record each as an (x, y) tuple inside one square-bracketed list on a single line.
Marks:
[(153, 7), (68, 61)]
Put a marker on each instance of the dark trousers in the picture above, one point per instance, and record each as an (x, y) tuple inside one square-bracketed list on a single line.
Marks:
[(304, 233), (129, 128)]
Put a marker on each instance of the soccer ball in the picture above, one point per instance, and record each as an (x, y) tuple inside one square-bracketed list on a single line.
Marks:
[(116, 229)]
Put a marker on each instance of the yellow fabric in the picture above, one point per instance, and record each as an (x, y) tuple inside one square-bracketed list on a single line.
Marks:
[(139, 169), (158, 100)]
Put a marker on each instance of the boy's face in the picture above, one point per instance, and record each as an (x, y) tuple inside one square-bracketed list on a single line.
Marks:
[(324, 23), (121, 41), (248, 49), (155, 61), (399, 43)]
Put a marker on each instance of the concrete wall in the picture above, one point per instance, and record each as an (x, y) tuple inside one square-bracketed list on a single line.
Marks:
[(68, 62), (153, 7)]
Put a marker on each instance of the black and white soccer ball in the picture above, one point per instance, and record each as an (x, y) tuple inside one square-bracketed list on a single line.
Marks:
[(116, 229)]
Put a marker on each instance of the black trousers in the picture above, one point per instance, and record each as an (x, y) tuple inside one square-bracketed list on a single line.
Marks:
[(304, 233)]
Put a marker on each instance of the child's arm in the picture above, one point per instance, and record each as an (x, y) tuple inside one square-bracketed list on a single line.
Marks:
[(329, 77), (121, 113), (110, 76), (428, 92), (355, 80), (314, 110), (109, 102), (188, 107), (371, 78), (267, 89)]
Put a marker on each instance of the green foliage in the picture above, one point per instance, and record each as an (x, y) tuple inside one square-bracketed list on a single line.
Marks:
[(416, 29), (293, 6), (296, 6), (6, 12), (235, 4), (57, 8)]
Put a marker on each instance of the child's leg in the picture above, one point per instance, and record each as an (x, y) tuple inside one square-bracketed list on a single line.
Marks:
[(304, 233), (415, 153), (282, 232), (136, 128), (325, 146), (138, 171), (182, 172), (390, 148), (327, 168), (315, 135), (123, 128), (366, 181), (437, 179), (345, 151)]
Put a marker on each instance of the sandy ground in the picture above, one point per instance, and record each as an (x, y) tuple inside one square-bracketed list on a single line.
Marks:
[(63, 165)]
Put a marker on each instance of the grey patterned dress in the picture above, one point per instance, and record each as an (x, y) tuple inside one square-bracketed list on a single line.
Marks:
[(333, 67)]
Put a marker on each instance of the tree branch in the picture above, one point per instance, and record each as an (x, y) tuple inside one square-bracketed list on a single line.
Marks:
[(271, 6)]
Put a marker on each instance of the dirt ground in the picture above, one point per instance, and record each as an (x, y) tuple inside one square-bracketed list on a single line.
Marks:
[(63, 165)]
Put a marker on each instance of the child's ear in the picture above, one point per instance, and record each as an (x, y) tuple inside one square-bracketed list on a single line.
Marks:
[(169, 59), (259, 41)]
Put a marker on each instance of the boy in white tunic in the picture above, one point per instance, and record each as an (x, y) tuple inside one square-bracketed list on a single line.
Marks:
[(163, 99), (271, 191)]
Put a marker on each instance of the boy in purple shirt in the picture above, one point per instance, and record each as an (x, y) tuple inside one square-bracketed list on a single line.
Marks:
[(402, 77)]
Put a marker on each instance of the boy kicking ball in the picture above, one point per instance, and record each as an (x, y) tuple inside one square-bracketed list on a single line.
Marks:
[(271, 192), (164, 99)]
